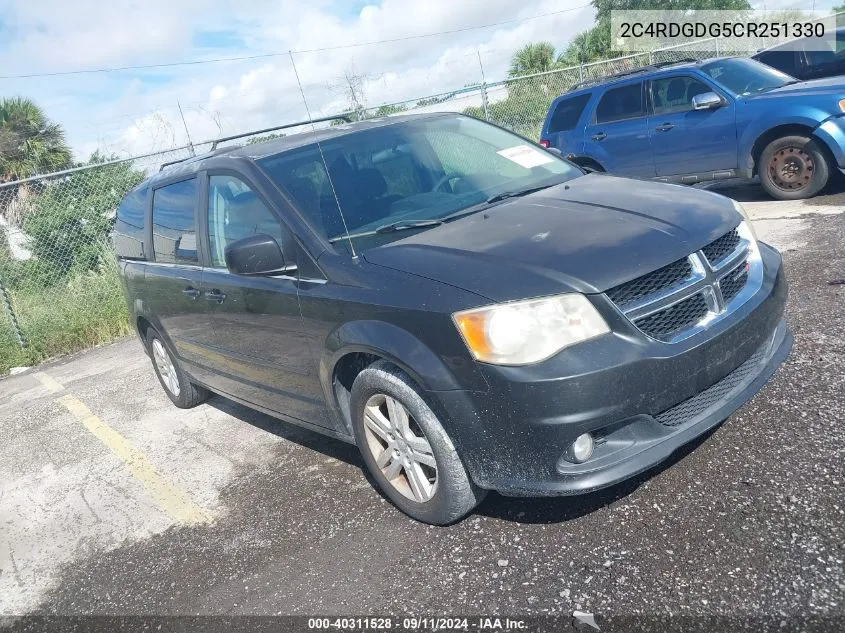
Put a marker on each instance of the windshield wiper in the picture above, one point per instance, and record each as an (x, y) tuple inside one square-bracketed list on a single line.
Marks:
[(404, 225), (516, 193), (475, 208)]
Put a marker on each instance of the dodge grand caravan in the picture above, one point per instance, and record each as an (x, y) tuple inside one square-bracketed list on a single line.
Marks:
[(471, 310)]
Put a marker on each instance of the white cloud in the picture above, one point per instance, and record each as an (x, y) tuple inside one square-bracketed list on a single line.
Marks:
[(136, 112)]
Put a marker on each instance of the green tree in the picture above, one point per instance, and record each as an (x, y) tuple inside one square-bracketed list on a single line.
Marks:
[(840, 19), (264, 137), (29, 142), (594, 43), (536, 57), (73, 216), (604, 7), (387, 110)]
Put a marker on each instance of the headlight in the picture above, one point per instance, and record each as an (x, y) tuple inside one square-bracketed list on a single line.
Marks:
[(744, 214), (842, 105), (529, 331)]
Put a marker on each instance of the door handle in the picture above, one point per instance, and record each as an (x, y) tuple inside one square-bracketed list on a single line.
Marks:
[(665, 127), (193, 293), (215, 295), (599, 137)]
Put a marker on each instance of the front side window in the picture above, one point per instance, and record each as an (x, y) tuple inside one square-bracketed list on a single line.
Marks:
[(621, 103), (236, 212), (745, 77), (408, 171), (674, 94), (174, 223)]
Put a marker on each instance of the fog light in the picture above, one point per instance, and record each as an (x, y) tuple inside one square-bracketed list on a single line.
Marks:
[(582, 448)]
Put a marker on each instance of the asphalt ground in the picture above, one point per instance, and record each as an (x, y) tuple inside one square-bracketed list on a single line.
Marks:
[(113, 502)]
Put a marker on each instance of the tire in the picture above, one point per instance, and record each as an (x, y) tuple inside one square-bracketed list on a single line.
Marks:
[(452, 493), (176, 384), (793, 168)]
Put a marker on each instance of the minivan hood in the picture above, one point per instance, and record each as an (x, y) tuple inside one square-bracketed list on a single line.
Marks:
[(827, 86), (586, 235)]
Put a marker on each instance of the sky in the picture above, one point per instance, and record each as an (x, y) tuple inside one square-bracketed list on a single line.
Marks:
[(131, 112)]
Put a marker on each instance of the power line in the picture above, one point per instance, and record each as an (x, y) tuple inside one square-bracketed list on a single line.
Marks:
[(280, 54)]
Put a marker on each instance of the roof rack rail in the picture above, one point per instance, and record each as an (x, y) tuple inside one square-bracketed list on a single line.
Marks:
[(633, 71), (214, 143), (173, 162), (337, 117)]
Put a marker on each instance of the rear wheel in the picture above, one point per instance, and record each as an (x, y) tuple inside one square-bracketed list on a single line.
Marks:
[(178, 387), (407, 450), (793, 168)]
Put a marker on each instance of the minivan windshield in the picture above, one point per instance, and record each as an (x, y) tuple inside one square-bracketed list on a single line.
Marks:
[(746, 77), (410, 175)]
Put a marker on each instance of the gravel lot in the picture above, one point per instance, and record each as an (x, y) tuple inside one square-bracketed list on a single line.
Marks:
[(220, 510)]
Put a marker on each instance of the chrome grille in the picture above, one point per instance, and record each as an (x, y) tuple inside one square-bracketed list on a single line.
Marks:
[(661, 279), (717, 250), (733, 282), (666, 323), (680, 299)]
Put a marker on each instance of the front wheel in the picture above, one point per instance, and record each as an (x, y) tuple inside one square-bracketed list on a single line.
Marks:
[(407, 450), (793, 168)]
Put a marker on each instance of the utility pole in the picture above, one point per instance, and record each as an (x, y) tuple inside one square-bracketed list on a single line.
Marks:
[(188, 134), (483, 86)]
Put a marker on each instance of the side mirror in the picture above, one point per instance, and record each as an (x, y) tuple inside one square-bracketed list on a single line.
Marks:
[(707, 101), (256, 255)]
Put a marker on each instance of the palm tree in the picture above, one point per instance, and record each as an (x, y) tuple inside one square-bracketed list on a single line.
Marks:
[(29, 142), (536, 57)]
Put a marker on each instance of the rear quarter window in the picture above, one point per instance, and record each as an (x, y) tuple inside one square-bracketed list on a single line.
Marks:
[(128, 230), (567, 113), (174, 223)]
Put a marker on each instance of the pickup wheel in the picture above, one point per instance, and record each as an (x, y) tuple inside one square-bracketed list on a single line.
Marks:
[(178, 387), (793, 168), (407, 450)]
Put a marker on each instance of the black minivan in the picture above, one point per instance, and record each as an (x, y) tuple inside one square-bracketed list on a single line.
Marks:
[(471, 310)]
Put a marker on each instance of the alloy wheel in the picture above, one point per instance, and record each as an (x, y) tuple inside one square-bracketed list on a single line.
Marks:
[(400, 448), (165, 367)]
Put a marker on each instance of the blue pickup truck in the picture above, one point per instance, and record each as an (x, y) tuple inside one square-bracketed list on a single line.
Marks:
[(692, 122)]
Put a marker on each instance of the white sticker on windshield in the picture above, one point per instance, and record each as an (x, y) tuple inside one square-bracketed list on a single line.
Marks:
[(526, 156)]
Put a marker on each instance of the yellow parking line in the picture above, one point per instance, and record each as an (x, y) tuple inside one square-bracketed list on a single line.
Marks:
[(170, 498), (48, 381)]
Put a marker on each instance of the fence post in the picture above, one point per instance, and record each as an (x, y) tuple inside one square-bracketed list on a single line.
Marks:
[(580, 73), (7, 306), (484, 102)]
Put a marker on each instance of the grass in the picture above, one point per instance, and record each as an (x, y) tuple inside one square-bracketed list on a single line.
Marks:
[(85, 310)]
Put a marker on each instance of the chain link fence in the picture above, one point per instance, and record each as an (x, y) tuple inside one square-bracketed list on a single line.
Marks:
[(59, 288)]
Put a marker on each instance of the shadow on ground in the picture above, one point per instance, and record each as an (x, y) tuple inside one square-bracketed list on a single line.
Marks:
[(518, 509), (752, 191)]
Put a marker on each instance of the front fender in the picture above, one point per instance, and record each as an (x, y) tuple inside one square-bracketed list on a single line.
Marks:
[(832, 133), (388, 341), (809, 118)]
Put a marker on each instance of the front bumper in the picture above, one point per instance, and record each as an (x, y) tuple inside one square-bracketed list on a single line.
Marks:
[(641, 399)]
